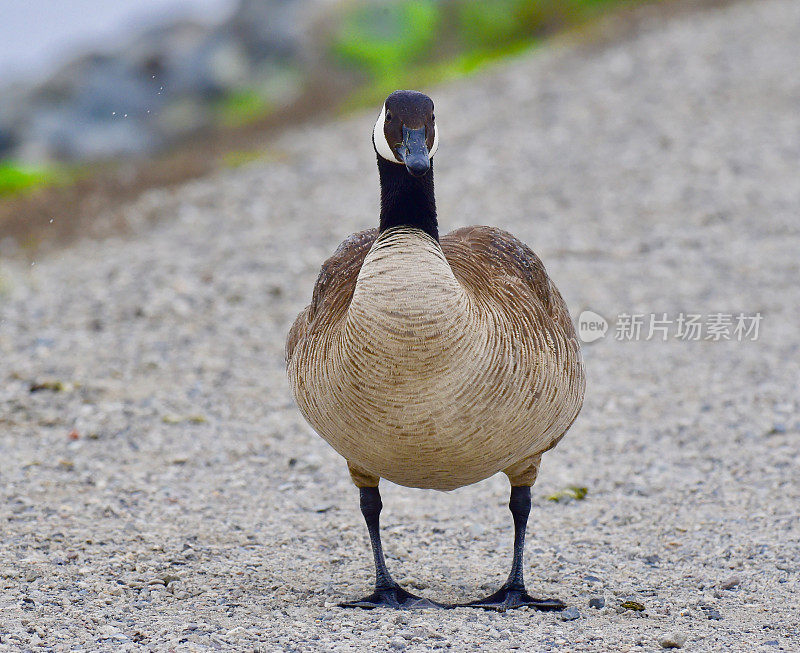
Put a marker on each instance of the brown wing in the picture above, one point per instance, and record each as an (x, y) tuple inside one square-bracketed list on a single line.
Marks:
[(334, 288), (487, 259)]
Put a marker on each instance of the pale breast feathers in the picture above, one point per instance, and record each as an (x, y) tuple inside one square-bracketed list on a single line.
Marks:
[(483, 259)]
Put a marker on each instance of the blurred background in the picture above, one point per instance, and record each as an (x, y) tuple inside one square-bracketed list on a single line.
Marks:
[(99, 101)]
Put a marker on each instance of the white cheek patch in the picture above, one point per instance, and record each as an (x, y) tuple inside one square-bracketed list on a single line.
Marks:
[(379, 137), (435, 145)]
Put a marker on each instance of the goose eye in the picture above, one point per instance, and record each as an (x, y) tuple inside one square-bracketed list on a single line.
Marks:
[(388, 117)]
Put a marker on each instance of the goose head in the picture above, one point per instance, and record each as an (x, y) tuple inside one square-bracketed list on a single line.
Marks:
[(406, 133)]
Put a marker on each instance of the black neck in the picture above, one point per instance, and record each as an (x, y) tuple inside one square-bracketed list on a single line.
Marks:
[(407, 200)]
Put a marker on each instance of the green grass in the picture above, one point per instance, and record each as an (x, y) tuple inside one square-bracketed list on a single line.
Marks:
[(239, 158), (416, 43), (382, 39), (430, 74), (241, 108), (16, 179)]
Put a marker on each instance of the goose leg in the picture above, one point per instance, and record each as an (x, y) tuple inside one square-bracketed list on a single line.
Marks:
[(512, 594), (387, 594)]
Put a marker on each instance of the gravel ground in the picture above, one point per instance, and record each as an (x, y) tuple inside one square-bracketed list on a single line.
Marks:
[(162, 492)]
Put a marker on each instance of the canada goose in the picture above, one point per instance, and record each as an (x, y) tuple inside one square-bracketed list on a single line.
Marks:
[(434, 363)]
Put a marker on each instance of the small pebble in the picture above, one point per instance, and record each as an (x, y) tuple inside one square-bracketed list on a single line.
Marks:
[(672, 640), (730, 583), (597, 602), (570, 614)]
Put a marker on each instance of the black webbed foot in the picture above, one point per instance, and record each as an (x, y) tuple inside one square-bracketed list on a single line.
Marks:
[(507, 598), (512, 594), (394, 597)]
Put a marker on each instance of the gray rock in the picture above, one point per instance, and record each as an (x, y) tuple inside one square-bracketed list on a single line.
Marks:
[(570, 614), (597, 602), (672, 640), (141, 96), (730, 583), (7, 141)]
